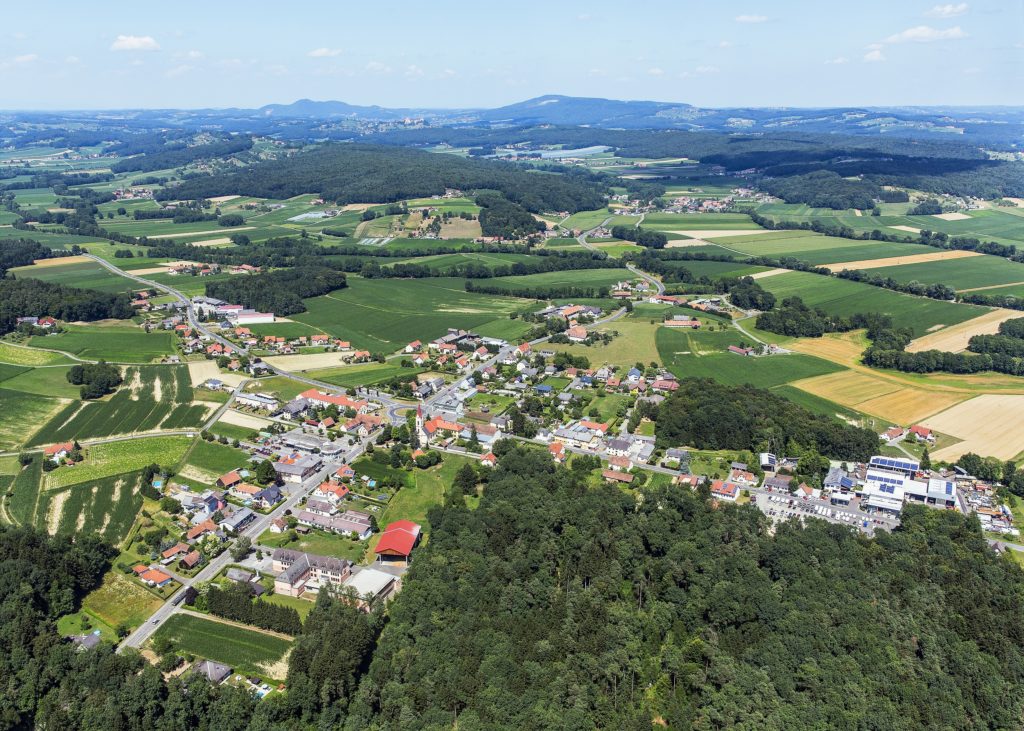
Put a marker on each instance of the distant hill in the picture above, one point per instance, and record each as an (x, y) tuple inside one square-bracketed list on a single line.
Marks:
[(571, 110)]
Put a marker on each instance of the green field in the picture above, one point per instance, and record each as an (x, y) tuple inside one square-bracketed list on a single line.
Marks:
[(45, 381), (243, 649), (716, 269), (965, 273), (152, 397), (844, 297), (115, 342), (703, 355), (446, 262), (698, 221), (568, 278), (214, 458), (86, 275), (288, 330), (585, 220), (382, 315), (116, 458), (107, 506), (30, 356), (22, 415), (817, 249), (364, 374)]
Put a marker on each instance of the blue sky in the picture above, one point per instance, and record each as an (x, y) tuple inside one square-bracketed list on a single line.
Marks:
[(452, 53)]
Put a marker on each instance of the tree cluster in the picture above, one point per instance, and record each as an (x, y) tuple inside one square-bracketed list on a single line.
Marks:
[(96, 379), (281, 291), (236, 603), (36, 298)]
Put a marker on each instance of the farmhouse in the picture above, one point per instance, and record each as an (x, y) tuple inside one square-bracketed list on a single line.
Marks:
[(740, 351), (683, 321), (214, 672), (576, 334), (57, 452)]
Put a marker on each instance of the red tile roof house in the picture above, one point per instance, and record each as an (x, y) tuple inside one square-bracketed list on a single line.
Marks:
[(922, 432), (229, 480), (740, 351), (724, 490), (576, 334), (153, 577), (557, 450), (616, 476), (893, 432), (57, 452), (397, 541), (175, 550)]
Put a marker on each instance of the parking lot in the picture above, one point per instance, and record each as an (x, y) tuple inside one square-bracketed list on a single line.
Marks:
[(782, 506)]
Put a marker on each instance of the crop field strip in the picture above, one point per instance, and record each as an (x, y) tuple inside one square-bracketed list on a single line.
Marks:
[(152, 397), (383, 315), (844, 298), (83, 274), (116, 342), (107, 506), (242, 649)]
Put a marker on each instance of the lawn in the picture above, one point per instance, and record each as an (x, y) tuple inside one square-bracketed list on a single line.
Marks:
[(231, 431), (281, 386), (413, 501), (317, 542), (243, 649), (151, 398), (634, 343), (120, 342), (817, 249), (287, 330), (25, 493), (117, 601), (382, 315), (844, 297), (717, 269)]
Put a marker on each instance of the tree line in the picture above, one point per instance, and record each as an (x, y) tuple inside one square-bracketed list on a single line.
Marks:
[(236, 603), (539, 293), (361, 173), (281, 291), (641, 236), (96, 379), (36, 298)]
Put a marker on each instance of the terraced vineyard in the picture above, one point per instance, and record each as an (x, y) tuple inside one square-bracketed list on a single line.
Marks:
[(152, 397)]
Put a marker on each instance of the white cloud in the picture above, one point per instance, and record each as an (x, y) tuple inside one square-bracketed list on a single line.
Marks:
[(725, 44), (134, 43), (656, 71), (377, 67), (26, 58), (72, 60), (584, 16), (838, 60), (949, 10), (925, 34), (874, 56), (324, 52), (194, 54), (413, 71), (179, 70), (448, 73), (751, 19), (707, 69)]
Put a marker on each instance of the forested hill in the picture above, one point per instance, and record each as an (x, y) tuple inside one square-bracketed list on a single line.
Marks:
[(554, 605), (347, 173)]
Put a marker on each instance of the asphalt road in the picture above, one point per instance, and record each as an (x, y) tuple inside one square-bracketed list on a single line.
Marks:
[(253, 530)]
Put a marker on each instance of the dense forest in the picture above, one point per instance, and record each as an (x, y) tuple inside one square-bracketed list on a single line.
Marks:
[(21, 253), (710, 415), (556, 605), (35, 298), (362, 173), (503, 218), (160, 156), (281, 291)]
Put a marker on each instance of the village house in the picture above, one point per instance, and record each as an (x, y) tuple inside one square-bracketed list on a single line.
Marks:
[(57, 452), (724, 490), (152, 576), (616, 476), (576, 334)]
